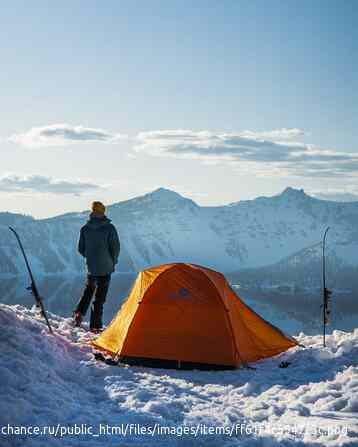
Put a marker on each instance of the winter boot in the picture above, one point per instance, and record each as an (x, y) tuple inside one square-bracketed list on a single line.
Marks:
[(96, 330), (77, 318)]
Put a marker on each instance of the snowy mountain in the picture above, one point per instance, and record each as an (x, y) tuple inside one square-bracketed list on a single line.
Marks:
[(54, 383), (302, 269), (163, 226)]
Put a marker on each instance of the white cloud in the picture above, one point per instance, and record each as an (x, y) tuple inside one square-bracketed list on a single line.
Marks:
[(276, 153), (63, 134), (276, 135), (12, 183)]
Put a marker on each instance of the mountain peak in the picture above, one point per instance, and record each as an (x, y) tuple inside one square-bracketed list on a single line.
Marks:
[(292, 193), (164, 192), (167, 195)]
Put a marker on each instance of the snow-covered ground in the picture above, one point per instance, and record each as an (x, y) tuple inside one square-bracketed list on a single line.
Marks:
[(49, 380)]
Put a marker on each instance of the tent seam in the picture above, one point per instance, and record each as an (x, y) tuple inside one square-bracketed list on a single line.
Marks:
[(227, 313)]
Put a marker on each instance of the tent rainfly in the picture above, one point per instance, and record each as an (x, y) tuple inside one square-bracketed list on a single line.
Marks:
[(185, 315)]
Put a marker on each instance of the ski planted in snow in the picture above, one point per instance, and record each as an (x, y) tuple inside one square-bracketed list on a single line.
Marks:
[(33, 287), (326, 311)]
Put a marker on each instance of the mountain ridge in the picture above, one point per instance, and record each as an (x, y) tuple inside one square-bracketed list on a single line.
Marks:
[(163, 226), (289, 193)]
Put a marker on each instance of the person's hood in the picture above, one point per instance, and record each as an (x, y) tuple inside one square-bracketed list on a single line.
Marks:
[(97, 221)]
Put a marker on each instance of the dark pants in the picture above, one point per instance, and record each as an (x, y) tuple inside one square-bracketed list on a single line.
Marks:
[(97, 285)]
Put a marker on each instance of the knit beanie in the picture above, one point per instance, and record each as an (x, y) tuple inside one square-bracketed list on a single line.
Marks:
[(98, 208)]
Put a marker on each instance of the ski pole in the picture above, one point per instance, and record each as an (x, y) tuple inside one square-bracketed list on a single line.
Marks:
[(324, 305)]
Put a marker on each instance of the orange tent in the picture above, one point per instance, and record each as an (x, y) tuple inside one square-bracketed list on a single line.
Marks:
[(189, 314)]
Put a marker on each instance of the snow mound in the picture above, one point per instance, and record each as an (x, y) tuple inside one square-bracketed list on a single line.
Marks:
[(54, 381)]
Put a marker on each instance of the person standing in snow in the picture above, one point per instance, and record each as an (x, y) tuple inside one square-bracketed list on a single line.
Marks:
[(99, 244)]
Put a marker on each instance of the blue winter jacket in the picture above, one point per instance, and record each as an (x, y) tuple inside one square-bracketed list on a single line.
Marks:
[(99, 244)]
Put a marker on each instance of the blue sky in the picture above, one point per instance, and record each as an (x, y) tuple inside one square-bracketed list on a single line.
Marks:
[(220, 101)]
